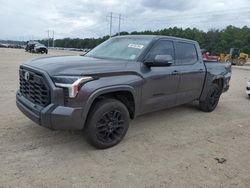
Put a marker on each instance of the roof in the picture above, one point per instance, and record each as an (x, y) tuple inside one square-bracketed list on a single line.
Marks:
[(156, 37)]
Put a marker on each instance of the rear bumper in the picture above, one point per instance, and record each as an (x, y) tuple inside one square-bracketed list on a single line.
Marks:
[(51, 116), (226, 85)]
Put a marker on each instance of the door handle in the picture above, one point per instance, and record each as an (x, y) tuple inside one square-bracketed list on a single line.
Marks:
[(175, 72), (201, 70)]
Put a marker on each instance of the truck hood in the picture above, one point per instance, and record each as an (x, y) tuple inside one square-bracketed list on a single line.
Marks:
[(76, 65)]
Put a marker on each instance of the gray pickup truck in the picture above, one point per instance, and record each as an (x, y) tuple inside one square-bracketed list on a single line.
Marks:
[(118, 80)]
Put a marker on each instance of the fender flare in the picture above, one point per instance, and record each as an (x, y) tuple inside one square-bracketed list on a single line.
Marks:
[(208, 84), (105, 90)]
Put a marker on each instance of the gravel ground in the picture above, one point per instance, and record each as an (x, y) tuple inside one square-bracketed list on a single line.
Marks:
[(171, 148)]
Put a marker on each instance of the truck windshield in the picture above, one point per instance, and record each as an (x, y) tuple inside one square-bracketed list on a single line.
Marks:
[(124, 48)]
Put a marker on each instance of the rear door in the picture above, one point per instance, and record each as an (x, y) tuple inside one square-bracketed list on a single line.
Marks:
[(192, 72)]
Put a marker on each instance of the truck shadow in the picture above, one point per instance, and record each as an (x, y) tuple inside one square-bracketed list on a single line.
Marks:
[(166, 115), (40, 137)]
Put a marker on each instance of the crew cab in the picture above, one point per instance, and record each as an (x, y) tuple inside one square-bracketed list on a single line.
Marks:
[(122, 78)]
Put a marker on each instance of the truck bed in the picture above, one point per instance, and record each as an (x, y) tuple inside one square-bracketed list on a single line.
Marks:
[(217, 67)]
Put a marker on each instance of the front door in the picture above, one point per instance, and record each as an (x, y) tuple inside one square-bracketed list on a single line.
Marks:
[(161, 83)]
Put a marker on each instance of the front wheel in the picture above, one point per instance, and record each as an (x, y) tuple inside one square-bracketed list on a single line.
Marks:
[(107, 123), (212, 99)]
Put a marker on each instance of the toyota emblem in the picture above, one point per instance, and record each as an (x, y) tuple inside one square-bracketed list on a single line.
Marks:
[(27, 76)]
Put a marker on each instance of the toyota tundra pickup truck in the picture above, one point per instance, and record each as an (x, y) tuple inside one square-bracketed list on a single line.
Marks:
[(120, 79)]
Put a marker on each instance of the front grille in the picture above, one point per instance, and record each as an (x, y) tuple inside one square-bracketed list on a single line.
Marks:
[(34, 88)]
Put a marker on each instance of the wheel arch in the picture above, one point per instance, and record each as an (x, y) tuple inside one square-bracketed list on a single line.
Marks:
[(211, 79), (113, 92), (220, 82)]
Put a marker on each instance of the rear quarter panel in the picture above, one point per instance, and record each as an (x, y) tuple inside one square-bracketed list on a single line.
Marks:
[(215, 70)]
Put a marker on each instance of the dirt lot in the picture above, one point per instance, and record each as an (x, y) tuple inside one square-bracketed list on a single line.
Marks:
[(171, 148)]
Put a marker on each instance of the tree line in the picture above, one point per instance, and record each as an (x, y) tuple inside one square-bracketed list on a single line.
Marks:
[(215, 41)]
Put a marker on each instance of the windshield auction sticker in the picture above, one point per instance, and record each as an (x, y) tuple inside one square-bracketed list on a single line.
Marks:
[(138, 46)]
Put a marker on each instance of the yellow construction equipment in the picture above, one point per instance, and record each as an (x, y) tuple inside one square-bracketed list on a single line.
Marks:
[(236, 57)]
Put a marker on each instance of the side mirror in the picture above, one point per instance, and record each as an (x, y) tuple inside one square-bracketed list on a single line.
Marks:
[(160, 61)]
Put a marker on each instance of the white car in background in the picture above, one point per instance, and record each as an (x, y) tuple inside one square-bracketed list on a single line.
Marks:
[(248, 88)]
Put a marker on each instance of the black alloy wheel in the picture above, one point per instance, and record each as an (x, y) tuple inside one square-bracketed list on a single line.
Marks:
[(110, 126), (212, 99), (107, 123)]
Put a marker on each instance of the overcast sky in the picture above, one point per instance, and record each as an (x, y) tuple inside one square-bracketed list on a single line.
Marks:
[(27, 19)]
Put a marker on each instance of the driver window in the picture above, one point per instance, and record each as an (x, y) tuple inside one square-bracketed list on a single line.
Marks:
[(162, 47)]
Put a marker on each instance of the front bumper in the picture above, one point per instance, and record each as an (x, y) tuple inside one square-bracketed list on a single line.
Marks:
[(248, 88), (52, 116)]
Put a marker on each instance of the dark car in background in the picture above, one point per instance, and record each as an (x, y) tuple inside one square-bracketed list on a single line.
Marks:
[(30, 46), (17, 46), (40, 48), (3, 46), (35, 47)]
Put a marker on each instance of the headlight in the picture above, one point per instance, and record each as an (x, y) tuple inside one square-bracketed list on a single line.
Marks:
[(72, 83)]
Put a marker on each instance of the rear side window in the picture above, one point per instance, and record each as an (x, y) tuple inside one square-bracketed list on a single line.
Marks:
[(162, 47), (186, 53)]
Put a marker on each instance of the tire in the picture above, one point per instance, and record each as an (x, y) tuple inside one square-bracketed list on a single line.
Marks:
[(107, 123), (212, 99)]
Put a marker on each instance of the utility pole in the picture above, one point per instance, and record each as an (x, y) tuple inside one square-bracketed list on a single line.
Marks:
[(51, 32), (119, 25), (48, 38), (53, 38), (111, 20)]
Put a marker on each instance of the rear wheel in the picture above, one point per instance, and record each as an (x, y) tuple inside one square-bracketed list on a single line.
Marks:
[(212, 99), (107, 123)]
